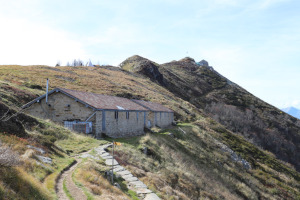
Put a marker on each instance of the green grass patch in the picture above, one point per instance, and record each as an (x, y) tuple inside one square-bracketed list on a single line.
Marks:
[(131, 141), (67, 192), (80, 185), (79, 144), (59, 163), (133, 195)]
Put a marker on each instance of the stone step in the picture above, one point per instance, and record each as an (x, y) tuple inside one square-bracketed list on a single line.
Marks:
[(111, 162), (133, 182), (131, 179), (138, 184), (151, 196), (125, 172), (118, 168), (143, 191), (127, 176), (106, 157), (105, 154)]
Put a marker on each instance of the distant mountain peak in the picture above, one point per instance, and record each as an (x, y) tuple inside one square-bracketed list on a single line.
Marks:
[(187, 59), (136, 57), (203, 63), (132, 62), (295, 112)]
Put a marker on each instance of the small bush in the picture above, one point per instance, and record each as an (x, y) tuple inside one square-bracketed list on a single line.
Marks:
[(8, 157), (33, 86)]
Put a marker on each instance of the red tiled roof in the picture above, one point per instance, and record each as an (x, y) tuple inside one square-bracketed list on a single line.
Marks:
[(153, 106), (101, 101)]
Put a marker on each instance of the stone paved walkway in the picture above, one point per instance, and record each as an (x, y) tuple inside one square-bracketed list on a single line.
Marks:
[(133, 182)]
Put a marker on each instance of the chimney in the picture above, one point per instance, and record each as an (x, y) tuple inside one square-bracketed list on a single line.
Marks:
[(47, 90)]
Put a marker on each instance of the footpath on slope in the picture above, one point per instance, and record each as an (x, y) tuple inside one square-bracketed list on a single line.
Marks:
[(133, 182), (74, 191)]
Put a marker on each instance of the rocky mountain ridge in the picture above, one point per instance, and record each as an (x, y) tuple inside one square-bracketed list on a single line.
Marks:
[(226, 102), (197, 159)]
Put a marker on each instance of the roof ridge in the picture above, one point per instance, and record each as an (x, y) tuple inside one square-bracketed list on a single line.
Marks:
[(153, 106), (104, 101)]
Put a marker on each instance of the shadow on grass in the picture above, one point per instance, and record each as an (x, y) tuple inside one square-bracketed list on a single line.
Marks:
[(21, 184)]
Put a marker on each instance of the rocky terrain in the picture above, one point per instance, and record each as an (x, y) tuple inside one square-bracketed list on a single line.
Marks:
[(226, 102)]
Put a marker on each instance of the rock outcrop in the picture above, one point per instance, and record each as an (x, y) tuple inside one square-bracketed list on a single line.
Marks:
[(203, 63), (143, 66)]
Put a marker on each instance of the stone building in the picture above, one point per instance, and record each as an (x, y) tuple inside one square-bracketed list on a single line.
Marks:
[(94, 113), (158, 115)]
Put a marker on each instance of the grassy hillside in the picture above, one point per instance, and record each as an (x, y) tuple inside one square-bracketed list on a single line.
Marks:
[(194, 162), (102, 80), (226, 102), (23, 175), (192, 165)]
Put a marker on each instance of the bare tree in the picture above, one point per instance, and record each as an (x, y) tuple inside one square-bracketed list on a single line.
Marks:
[(74, 63), (79, 62), (57, 64)]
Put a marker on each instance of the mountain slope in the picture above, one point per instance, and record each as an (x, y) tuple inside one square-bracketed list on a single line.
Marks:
[(229, 104), (198, 159), (292, 111)]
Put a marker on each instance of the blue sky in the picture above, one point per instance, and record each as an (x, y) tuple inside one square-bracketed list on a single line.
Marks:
[(253, 43)]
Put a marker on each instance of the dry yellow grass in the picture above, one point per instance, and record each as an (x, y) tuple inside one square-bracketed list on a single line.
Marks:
[(192, 166), (110, 81), (189, 166), (89, 174)]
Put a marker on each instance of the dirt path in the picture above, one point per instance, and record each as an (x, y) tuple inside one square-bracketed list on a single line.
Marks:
[(75, 192)]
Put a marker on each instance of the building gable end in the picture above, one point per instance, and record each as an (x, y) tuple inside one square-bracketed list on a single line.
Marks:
[(50, 93)]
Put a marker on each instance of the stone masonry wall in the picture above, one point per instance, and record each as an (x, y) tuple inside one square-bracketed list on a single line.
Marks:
[(163, 119), (98, 124), (59, 110), (123, 127)]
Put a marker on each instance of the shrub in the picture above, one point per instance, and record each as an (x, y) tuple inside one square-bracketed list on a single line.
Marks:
[(8, 157)]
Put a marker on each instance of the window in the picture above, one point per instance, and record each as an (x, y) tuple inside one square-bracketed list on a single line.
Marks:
[(116, 114), (127, 115)]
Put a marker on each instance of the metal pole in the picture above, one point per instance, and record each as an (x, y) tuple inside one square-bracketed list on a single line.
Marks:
[(112, 168), (47, 87)]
